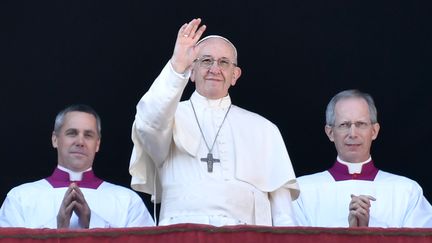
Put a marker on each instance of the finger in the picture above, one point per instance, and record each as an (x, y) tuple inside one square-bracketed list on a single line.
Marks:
[(78, 191), (81, 207), (79, 196), (361, 212), (68, 196), (363, 198), (363, 218), (366, 199), (369, 197), (356, 204), (69, 208), (182, 30), (191, 28), (193, 32), (199, 33)]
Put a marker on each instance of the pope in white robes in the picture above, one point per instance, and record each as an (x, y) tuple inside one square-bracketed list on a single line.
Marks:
[(251, 180)]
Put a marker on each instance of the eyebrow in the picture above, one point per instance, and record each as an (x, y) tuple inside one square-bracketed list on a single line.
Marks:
[(87, 131), (213, 57)]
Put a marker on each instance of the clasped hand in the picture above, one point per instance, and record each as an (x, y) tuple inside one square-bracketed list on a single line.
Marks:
[(359, 209), (73, 201)]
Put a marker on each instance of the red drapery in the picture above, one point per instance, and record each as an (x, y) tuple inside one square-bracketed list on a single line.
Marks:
[(228, 234)]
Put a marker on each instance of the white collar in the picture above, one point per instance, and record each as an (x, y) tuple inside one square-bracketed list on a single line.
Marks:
[(354, 168), (199, 100), (73, 175)]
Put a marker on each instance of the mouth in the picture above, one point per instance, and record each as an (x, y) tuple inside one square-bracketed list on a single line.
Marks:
[(78, 153), (214, 80), (352, 146)]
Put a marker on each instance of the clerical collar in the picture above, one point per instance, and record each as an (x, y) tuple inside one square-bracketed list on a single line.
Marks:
[(354, 168), (200, 100), (73, 175), (62, 177), (340, 171)]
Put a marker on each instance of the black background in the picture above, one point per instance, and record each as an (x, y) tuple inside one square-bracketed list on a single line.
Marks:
[(295, 55)]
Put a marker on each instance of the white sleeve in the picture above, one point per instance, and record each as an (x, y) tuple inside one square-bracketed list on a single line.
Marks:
[(138, 215), (154, 119), (419, 213), (152, 130), (300, 212), (11, 214), (282, 208)]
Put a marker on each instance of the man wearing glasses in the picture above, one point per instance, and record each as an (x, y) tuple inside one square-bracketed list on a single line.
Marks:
[(208, 161), (354, 192)]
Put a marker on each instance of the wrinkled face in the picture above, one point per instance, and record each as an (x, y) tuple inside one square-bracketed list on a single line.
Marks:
[(214, 81), (352, 132), (77, 141)]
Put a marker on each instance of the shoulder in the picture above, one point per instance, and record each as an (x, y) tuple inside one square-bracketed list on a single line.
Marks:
[(118, 190), (29, 188), (42, 183), (250, 116), (387, 177), (184, 110), (314, 178)]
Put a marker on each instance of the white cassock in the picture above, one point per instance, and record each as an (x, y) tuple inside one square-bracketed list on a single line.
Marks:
[(254, 182), (325, 198), (36, 204)]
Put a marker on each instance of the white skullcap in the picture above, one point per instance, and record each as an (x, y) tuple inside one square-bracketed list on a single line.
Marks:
[(220, 37)]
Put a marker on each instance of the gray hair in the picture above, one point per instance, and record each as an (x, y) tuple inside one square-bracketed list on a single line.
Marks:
[(222, 38), (346, 94), (59, 120)]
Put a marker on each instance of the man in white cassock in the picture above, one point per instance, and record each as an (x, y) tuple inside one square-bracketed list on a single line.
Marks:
[(353, 192), (73, 197), (207, 160)]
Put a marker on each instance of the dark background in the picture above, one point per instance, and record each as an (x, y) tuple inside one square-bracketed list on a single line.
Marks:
[(295, 55)]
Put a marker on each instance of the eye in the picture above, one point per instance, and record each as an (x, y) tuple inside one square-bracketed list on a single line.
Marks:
[(89, 135), (224, 62), (71, 133), (207, 61), (345, 125), (361, 124)]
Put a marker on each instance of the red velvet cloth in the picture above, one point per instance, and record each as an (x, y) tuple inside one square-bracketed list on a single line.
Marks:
[(228, 234)]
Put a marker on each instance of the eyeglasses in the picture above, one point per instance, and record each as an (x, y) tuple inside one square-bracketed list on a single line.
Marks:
[(208, 61), (346, 126)]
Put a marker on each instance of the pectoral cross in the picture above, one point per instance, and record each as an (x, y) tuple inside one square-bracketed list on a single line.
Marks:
[(210, 160)]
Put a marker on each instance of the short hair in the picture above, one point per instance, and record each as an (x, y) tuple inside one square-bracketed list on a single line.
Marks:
[(346, 94), (222, 38), (59, 120)]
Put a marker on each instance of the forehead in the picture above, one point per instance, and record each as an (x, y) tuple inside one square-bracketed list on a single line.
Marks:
[(352, 109), (79, 120), (216, 47)]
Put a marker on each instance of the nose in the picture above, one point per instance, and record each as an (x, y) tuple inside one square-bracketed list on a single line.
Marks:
[(352, 132), (79, 141), (214, 68)]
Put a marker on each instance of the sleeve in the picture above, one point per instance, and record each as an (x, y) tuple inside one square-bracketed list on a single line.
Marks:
[(11, 213), (282, 208), (419, 213), (138, 215), (97, 221), (299, 212), (152, 129)]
